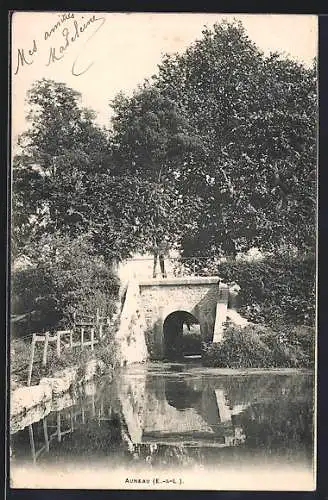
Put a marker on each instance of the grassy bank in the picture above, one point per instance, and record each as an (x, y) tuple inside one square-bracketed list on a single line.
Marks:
[(21, 351)]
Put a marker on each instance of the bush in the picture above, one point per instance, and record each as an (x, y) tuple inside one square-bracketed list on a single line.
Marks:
[(108, 350), (275, 291), (259, 347), (296, 343), (20, 351), (66, 277), (239, 349)]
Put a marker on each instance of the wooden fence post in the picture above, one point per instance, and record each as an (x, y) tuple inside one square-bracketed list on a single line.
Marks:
[(58, 344), (45, 349), (72, 420), (71, 338), (29, 322), (92, 338), (30, 367), (100, 331), (82, 337), (93, 405), (97, 316), (58, 427)]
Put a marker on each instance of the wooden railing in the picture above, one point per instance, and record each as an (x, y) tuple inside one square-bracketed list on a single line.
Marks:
[(86, 331)]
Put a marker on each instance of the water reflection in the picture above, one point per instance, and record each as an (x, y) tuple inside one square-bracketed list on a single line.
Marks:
[(159, 416)]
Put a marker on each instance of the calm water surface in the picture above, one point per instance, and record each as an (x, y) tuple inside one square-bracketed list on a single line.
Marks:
[(168, 415)]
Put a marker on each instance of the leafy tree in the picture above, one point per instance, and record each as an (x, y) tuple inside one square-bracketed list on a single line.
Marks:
[(55, 171), (66, 277), (218, 151), (150, 137), (242, 141), (71, 178)]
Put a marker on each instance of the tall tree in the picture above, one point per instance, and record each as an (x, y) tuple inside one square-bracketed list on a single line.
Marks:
[(71, 177), (59, 159), (151, 140), (242, 142)]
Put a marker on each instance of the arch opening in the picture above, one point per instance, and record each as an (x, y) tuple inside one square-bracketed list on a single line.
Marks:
[(181, 335)]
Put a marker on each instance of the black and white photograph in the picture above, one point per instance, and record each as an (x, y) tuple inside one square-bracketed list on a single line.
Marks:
[(163, 251)]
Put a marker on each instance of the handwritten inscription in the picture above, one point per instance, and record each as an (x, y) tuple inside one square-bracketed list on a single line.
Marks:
[(55, 27), (72, 31), (25, 56)]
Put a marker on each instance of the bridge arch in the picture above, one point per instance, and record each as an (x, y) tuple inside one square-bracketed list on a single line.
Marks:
[(197, 295), (180, 306), (175, 342)]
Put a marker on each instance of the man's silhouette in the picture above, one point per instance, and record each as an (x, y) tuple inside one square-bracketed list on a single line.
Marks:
[(160, 251)]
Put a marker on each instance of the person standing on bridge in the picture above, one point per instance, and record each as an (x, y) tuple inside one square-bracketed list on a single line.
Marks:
[(160, 251)]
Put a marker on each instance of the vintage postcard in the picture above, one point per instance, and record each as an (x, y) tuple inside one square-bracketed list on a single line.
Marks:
[(163, 251)]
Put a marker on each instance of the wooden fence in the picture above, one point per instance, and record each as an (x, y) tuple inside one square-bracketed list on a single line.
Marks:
[(85, 332)]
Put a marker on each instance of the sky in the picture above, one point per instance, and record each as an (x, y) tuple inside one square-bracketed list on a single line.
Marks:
[(116, 51)]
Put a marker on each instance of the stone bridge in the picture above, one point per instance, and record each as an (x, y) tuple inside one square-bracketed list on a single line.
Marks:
[(203, 299), (155, 313)]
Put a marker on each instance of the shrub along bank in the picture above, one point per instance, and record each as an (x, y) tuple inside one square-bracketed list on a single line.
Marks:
[(105, 351), (278, 296), (261, 347), (65, 277)]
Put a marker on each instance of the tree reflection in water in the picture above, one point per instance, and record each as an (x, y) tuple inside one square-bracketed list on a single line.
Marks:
[(184, 418)]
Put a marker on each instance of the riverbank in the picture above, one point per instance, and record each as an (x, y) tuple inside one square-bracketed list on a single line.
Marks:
[(196, 368), (25, 401)]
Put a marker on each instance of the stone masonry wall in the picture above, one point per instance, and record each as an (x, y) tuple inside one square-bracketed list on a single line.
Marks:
[(130, 336), (159, 301)]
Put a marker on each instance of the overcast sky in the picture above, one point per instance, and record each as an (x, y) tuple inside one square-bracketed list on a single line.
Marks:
[(126, 48)]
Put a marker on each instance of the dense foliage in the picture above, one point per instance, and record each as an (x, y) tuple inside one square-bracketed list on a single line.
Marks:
[(261, 347), (217, 152), (66, 278), (276, 290), (57, 172), (233, 129), (57, 166)]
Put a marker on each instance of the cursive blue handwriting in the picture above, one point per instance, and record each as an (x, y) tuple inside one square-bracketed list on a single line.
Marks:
[(93, 34)]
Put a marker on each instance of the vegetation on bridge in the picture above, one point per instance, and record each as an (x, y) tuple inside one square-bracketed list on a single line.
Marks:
[(278, 295)]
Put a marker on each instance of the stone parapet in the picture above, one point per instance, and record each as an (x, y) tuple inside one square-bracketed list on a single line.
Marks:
[(183, 281)]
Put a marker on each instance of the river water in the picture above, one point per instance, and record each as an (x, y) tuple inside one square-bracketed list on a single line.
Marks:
[(174, 425)]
